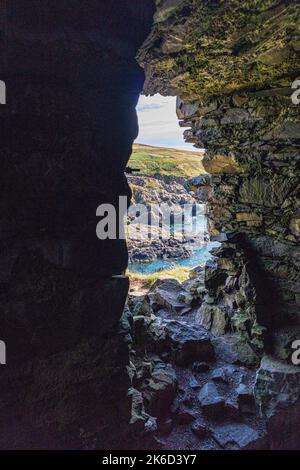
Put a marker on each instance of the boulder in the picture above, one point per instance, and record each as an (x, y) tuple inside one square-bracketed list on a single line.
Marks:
[(189, 343), (159, 391), (235, 436), (238, 347), (277, 386), (211, 401), (140, 420), (193, 383), (214, 318), (223, 374), (168, 294)]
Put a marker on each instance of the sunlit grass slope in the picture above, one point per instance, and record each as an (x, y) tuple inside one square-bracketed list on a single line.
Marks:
[(166, 161)]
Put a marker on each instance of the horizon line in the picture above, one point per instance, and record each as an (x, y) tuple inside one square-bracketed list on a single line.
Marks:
[(171, 148)]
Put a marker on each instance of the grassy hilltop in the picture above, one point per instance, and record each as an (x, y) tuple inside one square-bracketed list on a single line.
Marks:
[(166, 161)]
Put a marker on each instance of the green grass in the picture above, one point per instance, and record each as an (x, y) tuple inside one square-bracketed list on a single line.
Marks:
[(177, 272), (166, 161)]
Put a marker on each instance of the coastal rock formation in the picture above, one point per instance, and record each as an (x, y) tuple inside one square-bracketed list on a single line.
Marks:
[(66, 136), (194, 390), (159, 202), (233, 73)]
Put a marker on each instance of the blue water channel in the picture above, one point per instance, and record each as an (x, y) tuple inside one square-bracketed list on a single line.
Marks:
[(200, 253)]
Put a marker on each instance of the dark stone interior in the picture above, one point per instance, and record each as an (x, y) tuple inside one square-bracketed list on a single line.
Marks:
[(66, 134)]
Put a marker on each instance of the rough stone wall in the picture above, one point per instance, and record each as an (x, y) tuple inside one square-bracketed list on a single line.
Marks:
[(232, 65), (66, 134)]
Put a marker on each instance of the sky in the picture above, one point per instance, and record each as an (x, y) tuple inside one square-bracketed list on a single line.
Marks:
[(158, 123)]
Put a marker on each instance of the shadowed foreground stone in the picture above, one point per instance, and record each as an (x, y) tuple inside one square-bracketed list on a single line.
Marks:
[(72, 380), (211, 401), (235, 436), (277, 386), (189, 343), (66, 136)]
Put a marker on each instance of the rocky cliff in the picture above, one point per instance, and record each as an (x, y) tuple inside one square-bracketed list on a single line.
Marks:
[(232, 65), (155, 193)]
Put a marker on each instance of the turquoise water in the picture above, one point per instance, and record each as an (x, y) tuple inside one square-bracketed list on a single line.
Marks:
[(199, 257), (200, 254)]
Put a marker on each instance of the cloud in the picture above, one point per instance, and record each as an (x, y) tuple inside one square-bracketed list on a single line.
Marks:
[(158, 123), (147, 107)]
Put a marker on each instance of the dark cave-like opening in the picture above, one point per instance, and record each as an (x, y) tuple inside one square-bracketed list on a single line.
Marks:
[(74, 376)]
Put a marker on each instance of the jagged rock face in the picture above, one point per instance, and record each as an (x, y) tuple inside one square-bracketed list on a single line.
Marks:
[(66, 134), (277, 385), (152, 193), (199, 49), (233, 71)]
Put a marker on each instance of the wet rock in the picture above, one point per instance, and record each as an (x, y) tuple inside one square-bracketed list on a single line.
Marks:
[(277, 385), (211, 401), (189, 342)]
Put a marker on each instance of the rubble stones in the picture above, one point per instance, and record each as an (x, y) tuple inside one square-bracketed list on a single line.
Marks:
[(211, 401)]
